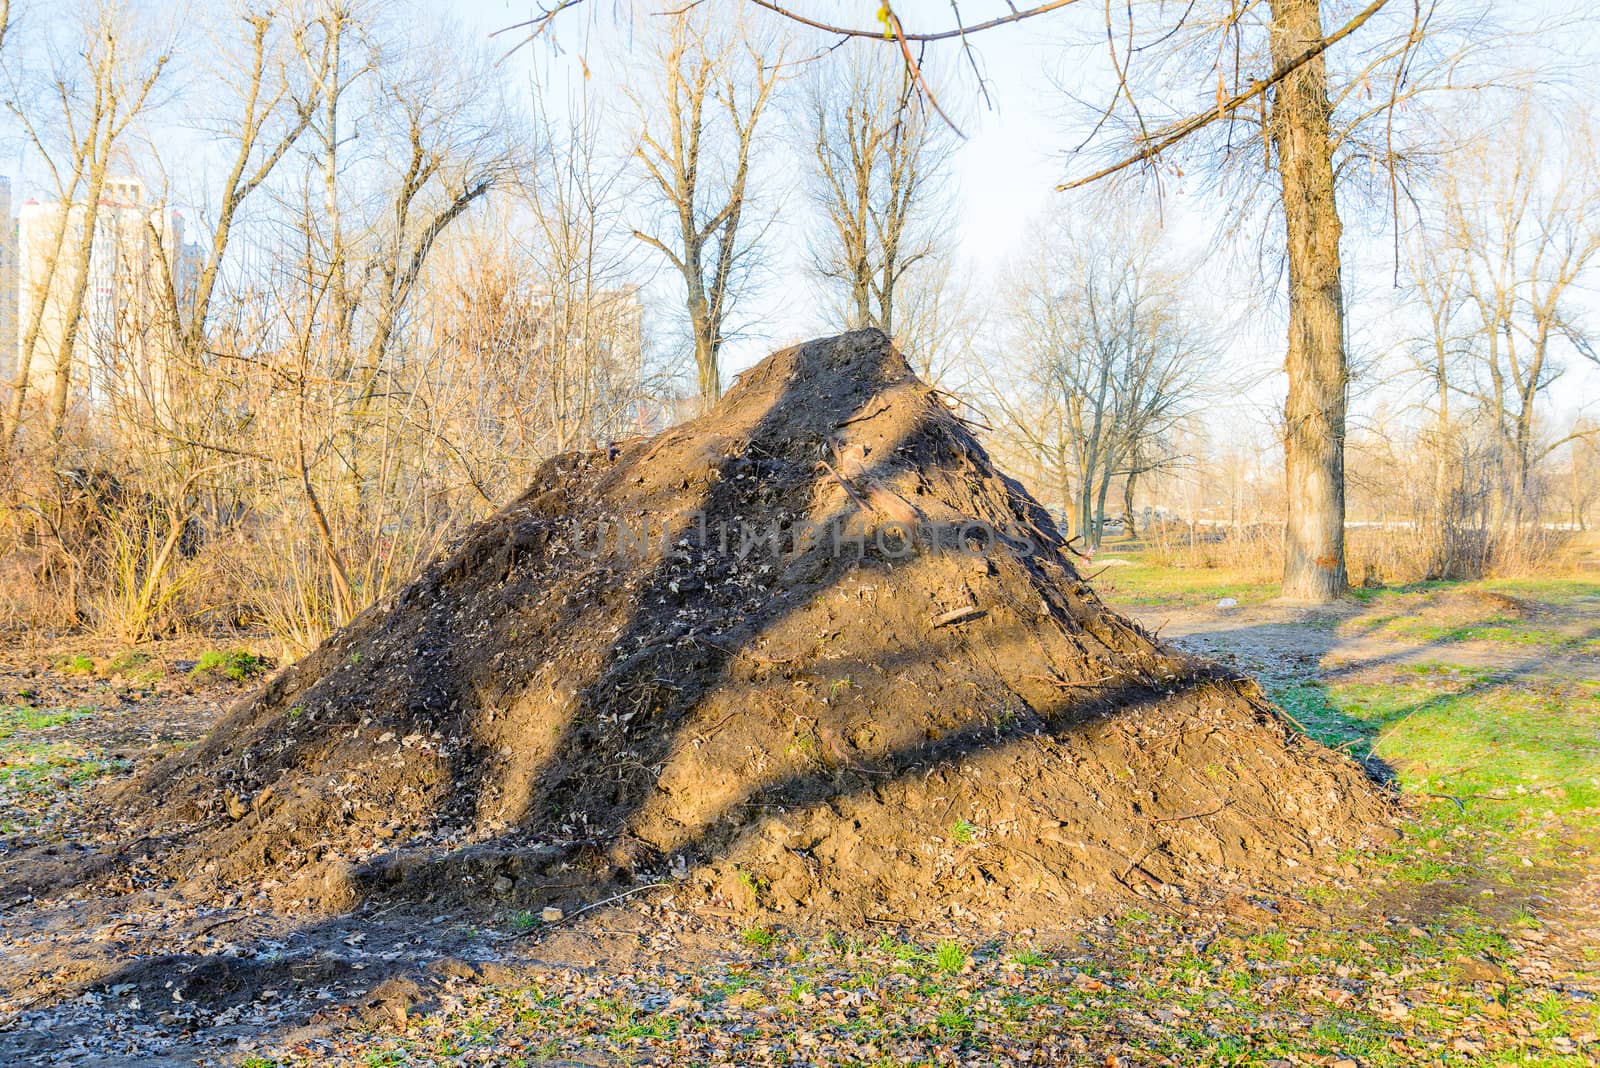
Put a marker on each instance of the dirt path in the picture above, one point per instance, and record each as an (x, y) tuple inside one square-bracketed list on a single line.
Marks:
[(1282, 642)]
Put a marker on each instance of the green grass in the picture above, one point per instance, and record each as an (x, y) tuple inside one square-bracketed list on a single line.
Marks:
[(236, 664), (1561, 592), (1504, 761), (74, 665), (1496, 628), (1380, 594), (17, 718), (37, 770), (1135, 579), (949, 957), (759, 937), (34, 775), (1558, 615), (1532, 745), (1142, 583), (1157, 989), (954, 1018)]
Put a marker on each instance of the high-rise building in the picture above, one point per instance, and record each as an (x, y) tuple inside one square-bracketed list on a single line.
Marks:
[(123, 334), (8, 286)]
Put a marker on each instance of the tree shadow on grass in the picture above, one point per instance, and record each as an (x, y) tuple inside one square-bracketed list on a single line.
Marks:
[(1295, 676)]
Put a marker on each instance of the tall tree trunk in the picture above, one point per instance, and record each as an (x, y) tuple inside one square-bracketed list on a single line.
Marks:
[(708, 373), (1446, 523), (1314, 565), (1086, 527), (1127, 504), (1100, 507)]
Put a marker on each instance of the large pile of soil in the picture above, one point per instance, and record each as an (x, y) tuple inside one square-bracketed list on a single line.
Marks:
[(781, 716)]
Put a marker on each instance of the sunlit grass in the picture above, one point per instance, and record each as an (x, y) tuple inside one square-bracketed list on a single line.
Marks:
[(1553, 591), (1142, 583), (15, 718), (1533, 744), (1496, 628)]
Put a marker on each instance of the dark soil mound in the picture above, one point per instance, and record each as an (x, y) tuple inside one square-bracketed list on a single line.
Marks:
[(937, 715)]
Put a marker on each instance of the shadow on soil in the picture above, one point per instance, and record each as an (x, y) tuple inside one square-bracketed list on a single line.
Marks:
[(657, 660)]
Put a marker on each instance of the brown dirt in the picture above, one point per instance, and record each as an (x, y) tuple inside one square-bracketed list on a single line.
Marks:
[(821, 732)]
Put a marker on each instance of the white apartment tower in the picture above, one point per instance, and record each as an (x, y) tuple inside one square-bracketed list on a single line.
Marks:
[(123, 338), (8, 286)]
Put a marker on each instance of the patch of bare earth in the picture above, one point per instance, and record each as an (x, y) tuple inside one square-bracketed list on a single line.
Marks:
[(917, 713)]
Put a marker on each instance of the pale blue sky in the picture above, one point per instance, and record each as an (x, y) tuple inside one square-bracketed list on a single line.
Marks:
[(1004, 173)]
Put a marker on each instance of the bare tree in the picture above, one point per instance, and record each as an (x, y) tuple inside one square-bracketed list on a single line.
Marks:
[(1110, 363), (593, 342), (879, 157), (1579, 484), (1255, 80), (1454, 541), (698, 134), (329, 371), (161, 405), (1526, 224), (365, 348), (275, 72), (938, 322), (539, 325)]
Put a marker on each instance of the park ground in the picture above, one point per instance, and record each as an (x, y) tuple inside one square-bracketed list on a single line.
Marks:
[(1474, 939)]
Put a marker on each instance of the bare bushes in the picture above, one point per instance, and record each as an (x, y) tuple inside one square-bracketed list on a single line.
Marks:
[(1396, 554), (373, 341), (1254, 551)]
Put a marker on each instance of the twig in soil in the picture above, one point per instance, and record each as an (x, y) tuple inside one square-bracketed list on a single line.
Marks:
[(22, 1007), (1064, 684), (1285, 714), (701, 737), (964, 420), (863, 416), (208, 928), (1067, 545), (757, 658), (613, 899), (1179, 819), (1156, 901), (1459, 798), (958, 615), (848, 489), (1132, 864)]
